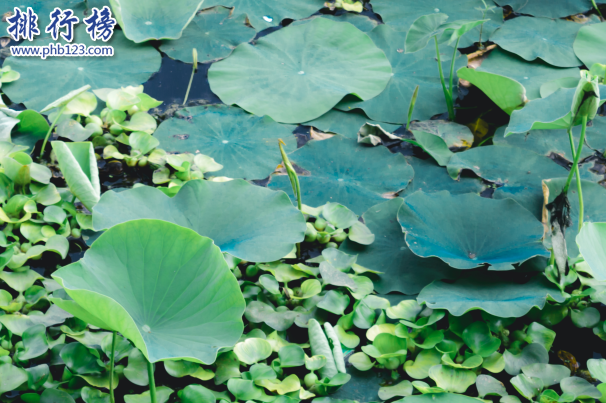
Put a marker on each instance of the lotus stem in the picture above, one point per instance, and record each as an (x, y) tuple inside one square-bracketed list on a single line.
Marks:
[(450, 79), (193, 71), (411, 107), (597, 9), (575, 168), (294, 182), (446, 93), (152, 382), (50, 129), (111, 369), (578, 177)]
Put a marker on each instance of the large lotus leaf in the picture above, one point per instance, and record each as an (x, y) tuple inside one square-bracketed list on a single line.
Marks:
[(213, 33), (439, 398), (135, 64), (401, 14), (164, 287), (401, 270), (519, 171), (345, 172), (154, 19), (596, 134), (42, 8), (309, 60), (347, 124), (588, 40), (544, 142), (247, 221), (551, 112), (506, 92), (540, 38), (593, 203), (530, 74), (501, 298), (430, 177), (246, 145), (548, 8), (409, 70), (362, 22), (592, 245), (459, 229), (270, 13)]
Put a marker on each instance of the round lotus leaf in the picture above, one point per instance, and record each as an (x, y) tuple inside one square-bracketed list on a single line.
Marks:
[(154, 19), (409, 70), (135, 64), (430, 177), (596, 134), (480, 340), (588, 40), (345, 172), (579, 388), (362, 22), (213, 33), (346, 123), (301, 59), (530, 74), (42, 8), (440, 398), (593, 202), (253, 350), (401, 14), (540, 38), (452, 379), (487, 385), (401, 270), (502, 298), (269, 13), (458, 228), (549, 374), (164, 287), (548, 8), (592, 241), (246, 145), (544, 142), (519, 171), (244, 220)]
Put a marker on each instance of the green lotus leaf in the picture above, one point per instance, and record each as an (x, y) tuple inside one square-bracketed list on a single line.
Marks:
[(338, 259), (543, 142), (347, 173), (456, 136), (549, 374), (258, 312), (291, 356), (266, 235), (466, 246), (247, 390), (136, 63), (439, 398), (478, 338), (597, 368), (519, 172), (452, 379), (401, 270), (386, 346), (346, 123), (426, 389), (35, 343), (487, 385), (530, 74), (380, 328), (430, 177), (160, 330), (531, 354), (136, 370), (253, 350), (317, 51), (90, 395), (579, 388), (12, 377), (55, 395), (403, 388), (472, 362), (498, 297), (591, 240), (588, 39), (80, 359), (196, 394), (537, 333), (406, 309), (425, 321), (507, 93), (548, 8), (409, 70), (361, 361), (432, 145), (595, 210), (228, 366), (289, 384), (362, 22), (20, 281), (309, 288), (31, 127), (246, 145), (213, 33), (334, 301), (494, 363), (400, 15), (267, 13), (593, 135), (588, 317), (154, 19), (546, 39), (162, 395), (419, 368), (529, 387), (283, 272)]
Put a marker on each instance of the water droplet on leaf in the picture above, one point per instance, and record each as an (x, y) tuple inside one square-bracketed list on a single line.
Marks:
[(148, 22), (301, 72), (146, 329), (225, 141), (267, 18)]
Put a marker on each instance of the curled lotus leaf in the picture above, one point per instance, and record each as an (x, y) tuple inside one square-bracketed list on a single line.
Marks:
[(301, 58), (346, 123), (244, 220), (164, 287), (458, 228), (547, 8)]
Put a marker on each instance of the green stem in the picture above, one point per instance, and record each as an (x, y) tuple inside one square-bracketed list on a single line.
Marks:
[(577, 176), (191, 80), (50, 129), (111, 369), (294, 182), (452, 66), (577, 155), (446, 93), (152, 382), (597, 9), (411, 106)]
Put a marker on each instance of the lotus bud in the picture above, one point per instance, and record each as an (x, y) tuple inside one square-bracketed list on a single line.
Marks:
[(320, 224), (323, 237), (104, 112), (339, 235), (25, 247), (94, 119), (48, 231), (252, 270), (96, 128), (116, 129), (310, 380), (142, 162), (331, 245), (310, 233), (133, 109), (76, 233), (586, 98)]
